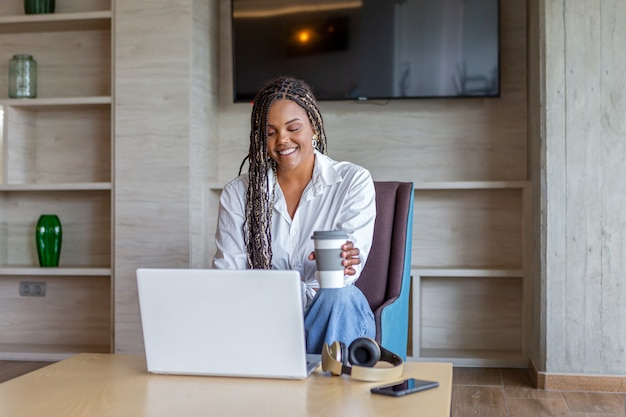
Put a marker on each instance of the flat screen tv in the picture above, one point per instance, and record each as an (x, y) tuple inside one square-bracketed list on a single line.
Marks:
[(368, 49)]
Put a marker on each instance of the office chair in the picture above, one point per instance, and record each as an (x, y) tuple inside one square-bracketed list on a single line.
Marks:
[(385, 279)]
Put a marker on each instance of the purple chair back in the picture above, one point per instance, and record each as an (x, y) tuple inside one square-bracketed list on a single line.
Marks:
[(382, 276)]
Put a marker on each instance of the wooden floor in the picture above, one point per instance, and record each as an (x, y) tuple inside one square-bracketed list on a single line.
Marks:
[(487, 392), (480, 392)]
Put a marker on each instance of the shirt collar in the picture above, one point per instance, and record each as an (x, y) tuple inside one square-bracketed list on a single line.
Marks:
[(324, 173)]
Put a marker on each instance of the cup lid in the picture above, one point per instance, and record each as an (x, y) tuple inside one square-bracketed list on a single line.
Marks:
[(329, 234)]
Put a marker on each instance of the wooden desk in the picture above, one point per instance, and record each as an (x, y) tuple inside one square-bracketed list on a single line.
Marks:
[(96, 385)]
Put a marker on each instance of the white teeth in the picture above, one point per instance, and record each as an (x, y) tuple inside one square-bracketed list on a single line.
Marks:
[(287, 151)]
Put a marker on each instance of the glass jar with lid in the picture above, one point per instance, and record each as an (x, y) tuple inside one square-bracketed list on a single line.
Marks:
[(22, 76)]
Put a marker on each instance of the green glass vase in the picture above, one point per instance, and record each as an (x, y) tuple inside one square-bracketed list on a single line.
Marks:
[(48, 238), (38, 6)]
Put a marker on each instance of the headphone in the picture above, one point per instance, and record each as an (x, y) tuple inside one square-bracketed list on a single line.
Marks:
[(362, 355)]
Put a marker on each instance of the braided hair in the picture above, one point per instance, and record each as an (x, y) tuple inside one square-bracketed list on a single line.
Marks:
[(258, 199)]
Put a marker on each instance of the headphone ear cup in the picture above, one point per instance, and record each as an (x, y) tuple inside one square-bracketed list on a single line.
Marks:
[(364, 352), (334, 358)]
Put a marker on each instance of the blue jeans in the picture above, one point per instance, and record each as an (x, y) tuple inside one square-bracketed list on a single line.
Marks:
[(337, 314)]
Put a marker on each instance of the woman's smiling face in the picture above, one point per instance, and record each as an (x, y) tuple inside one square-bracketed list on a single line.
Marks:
[(289, 136)]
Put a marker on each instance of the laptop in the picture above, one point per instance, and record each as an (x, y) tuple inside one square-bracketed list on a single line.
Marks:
[(246, 323)]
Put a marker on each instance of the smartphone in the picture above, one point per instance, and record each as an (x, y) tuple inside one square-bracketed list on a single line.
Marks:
[(408, 386)]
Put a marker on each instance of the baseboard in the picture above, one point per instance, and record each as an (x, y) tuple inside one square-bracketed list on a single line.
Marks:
[(574, 382)]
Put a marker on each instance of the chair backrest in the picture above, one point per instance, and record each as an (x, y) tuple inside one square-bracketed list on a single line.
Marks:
[(386, 273)]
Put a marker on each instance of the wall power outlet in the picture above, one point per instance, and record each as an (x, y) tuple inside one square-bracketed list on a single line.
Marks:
[(32, 289)]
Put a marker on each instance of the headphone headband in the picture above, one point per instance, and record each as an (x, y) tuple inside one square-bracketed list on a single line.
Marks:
[(333, 362)]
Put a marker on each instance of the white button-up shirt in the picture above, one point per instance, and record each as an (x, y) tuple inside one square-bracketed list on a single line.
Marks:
[(340, 196)]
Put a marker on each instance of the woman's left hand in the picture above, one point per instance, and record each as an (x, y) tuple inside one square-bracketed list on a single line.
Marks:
[(350, 256)]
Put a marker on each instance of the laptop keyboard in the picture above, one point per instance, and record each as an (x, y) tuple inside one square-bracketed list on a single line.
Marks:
[(312, 362)]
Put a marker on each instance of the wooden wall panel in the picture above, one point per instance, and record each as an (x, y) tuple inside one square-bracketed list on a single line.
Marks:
[(418, 140), (204, 126), (152, 150), (535, 303), (166, 140), (428, 141), (159, 143)]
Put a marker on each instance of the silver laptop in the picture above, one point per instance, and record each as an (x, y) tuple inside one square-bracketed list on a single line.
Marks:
[(245, 323)]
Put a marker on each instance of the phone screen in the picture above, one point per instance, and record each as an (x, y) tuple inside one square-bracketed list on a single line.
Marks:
[(407, 386)]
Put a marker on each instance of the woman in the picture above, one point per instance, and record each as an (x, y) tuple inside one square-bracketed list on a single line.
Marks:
[(268, 215)]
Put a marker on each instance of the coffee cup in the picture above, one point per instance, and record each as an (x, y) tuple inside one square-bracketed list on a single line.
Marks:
[(330, 269)]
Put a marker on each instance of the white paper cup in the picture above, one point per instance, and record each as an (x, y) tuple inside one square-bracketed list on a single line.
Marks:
[(328, 258)]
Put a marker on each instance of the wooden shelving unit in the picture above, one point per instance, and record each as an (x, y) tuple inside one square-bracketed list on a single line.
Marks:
[(57, 158), (470, 273)]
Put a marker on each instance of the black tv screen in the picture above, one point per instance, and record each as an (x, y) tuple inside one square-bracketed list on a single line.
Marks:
[(368, 49)]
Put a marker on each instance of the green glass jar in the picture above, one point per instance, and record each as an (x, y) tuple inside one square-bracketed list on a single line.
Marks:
[(38, 6), (22, 76), (48, 239)]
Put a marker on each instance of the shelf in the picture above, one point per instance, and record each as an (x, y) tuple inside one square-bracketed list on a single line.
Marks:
[(440, 185), (469, 357), (53, 103), (87, 186), (467, 272), (53, 22), (48, 272), (46, 353), (470, 185)]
